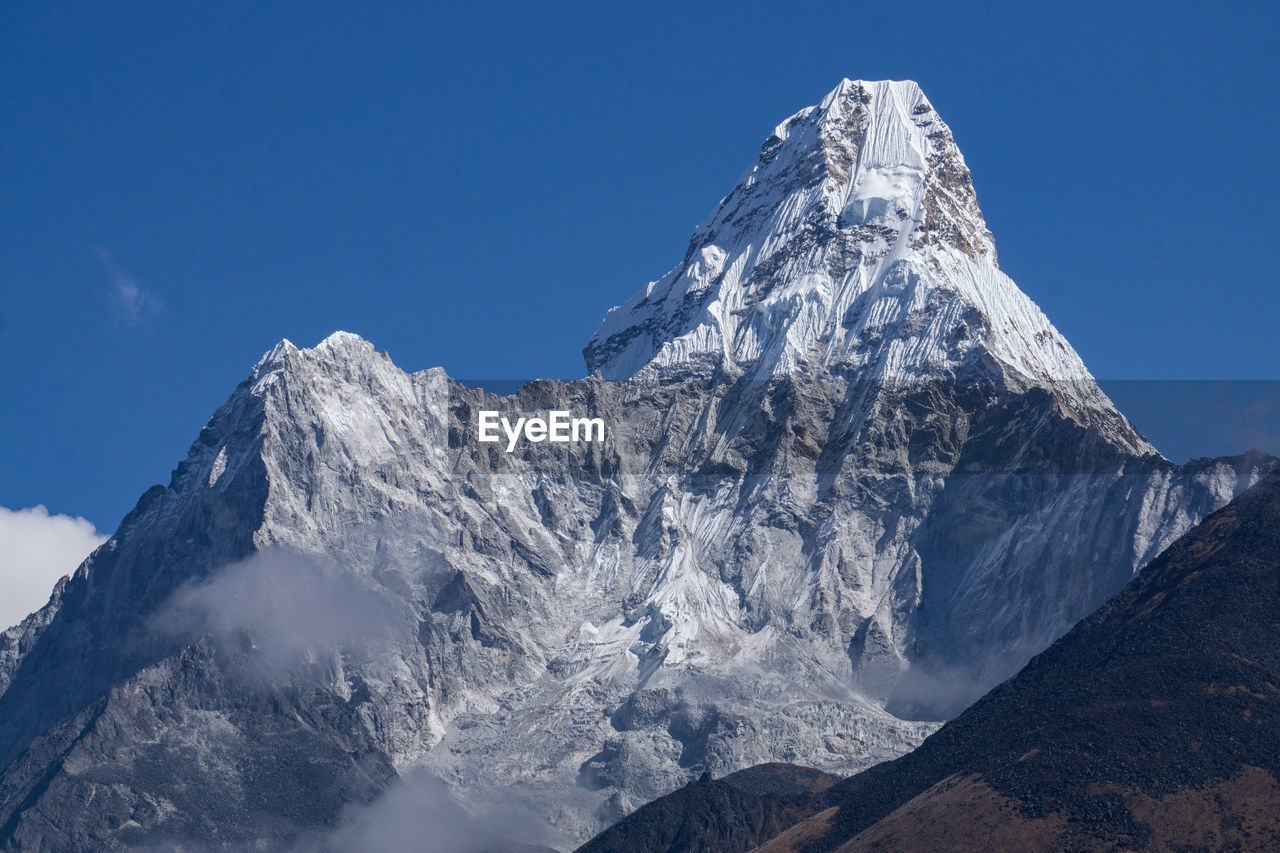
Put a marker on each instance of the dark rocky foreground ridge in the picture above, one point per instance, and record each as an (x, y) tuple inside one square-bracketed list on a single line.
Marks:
[(1152, 725), (738, 812)]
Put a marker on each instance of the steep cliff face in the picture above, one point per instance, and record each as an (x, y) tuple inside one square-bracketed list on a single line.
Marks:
[(852, 477)]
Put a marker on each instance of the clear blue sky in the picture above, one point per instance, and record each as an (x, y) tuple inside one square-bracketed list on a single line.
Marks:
[(472, 185)]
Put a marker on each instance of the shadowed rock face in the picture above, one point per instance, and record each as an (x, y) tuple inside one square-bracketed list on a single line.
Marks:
[(808, 546)]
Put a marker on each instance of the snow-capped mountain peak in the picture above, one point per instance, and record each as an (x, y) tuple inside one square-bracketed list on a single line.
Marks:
[(854, 243), (342, 584)]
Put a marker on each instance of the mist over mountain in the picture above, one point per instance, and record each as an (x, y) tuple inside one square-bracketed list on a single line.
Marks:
[(852, 478)]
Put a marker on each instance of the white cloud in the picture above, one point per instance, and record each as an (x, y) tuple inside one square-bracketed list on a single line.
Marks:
[(36, 549), (290, 604), (132, 302)]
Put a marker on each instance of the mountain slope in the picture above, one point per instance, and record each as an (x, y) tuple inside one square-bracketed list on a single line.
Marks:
[(871, 486), (734, 813), (1151, 725)]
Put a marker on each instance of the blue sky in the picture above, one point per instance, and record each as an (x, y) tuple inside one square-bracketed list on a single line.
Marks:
[(473, 185)]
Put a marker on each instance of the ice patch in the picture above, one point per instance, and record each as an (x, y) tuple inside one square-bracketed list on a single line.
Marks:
[(884, 194), (219, 467)]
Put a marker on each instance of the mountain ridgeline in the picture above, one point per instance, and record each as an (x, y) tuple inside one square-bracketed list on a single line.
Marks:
[(853, 478)]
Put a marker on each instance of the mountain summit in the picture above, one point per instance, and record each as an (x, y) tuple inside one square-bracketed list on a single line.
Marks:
[(854, 244), (820, 244), (852, 479)]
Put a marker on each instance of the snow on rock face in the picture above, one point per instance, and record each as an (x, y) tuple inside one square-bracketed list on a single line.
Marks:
[(858, 218)]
